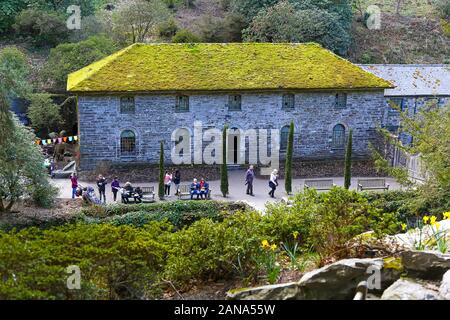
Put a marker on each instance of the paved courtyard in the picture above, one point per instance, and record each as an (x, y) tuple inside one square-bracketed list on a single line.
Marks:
[(236, 187)]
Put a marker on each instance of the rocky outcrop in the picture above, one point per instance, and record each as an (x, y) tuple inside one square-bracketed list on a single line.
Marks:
[(444, 289), (285, 291), (409, 289), (425, 264), (335, 281)]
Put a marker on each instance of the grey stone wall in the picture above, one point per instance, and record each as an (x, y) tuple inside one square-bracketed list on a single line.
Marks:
[(314, 116)]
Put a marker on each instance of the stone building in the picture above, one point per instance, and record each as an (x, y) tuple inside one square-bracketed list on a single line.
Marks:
[(135, 98), (417, 86)]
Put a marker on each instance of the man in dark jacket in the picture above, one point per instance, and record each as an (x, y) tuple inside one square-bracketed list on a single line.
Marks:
[(249, 176), (101, 184)]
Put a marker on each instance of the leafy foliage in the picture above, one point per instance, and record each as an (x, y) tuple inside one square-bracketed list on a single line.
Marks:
[(284, 23), (45, 115), (185, 36), (22, 172), (289, 153), (41, 27), (138, 18), (348, 161), (69, 57)]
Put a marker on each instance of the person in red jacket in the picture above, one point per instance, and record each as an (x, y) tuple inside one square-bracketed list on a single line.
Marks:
[(74, 180)]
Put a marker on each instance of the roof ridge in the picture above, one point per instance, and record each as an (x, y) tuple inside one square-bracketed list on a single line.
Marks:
[(71, 81)]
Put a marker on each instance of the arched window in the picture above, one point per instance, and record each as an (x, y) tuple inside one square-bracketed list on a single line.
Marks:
[(338, 136), (127, 142), (284, 134)]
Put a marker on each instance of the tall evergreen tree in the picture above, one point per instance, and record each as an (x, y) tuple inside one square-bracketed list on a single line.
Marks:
[(224, 168), (161, 172), (348, 161), (288, 166)]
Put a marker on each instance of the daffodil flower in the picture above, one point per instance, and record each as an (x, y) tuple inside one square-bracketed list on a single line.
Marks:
[(425, 219), (273, 247), (433, 220), (295, 234), (446, 215), (265, 244), (404, 226)]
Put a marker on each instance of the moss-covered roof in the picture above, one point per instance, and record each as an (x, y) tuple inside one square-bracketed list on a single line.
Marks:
[(213, 67)]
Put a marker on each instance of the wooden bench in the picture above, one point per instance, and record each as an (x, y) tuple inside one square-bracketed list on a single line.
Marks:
[(184, 191), (372, 184), (320, 184), (148, 194)]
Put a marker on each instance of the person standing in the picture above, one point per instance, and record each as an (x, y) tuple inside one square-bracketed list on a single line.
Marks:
[(167, 183), (177, 181), (101, 184), (249, 176), (74, 181), (115, 187), (273, 182)]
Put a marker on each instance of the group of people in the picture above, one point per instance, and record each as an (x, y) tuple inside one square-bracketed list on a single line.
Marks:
[(197, 188), (127, 191), (250, 177)]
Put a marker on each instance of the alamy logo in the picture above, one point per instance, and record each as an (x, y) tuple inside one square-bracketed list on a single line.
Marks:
[(206, 146), (74, 280), (374, 280), (74, 20), (373, 21)]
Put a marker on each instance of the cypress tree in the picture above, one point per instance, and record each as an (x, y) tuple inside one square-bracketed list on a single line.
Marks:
[(348, 161), (161, 172), (224, 168), (288, 166)]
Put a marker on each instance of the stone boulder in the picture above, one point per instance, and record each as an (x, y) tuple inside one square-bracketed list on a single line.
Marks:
[(335, 281), (284, 291), (444, 289), (425, 264), (408, 289)]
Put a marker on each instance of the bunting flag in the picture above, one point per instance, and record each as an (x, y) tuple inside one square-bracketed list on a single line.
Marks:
[(59, 140)]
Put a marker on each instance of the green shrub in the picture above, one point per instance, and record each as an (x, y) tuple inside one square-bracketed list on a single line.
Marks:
[(44, 28), (213, 250), (115, 262), (185, 36)]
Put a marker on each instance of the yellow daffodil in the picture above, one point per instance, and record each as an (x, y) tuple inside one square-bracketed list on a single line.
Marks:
[(433, 220), (265, 244), (295, 234), (273, 247), (446, 215), (404, 226), (437, 225), (425, 219)]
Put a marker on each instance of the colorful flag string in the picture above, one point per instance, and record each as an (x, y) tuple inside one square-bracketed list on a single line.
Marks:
[(59, 140)]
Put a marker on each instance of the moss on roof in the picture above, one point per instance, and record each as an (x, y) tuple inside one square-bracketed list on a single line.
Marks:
[(212, 67)]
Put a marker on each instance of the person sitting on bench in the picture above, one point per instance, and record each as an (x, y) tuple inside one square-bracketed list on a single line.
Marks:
[(138, 194), (127, 192), (204, 188), (195, 188)]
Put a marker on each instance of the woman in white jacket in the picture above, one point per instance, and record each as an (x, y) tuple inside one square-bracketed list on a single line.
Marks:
[(273, 182)]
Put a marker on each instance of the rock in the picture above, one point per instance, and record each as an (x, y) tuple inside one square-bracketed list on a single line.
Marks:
[(340, 279), (335, 281), (285, 291), (408, 289), (444, 289), (426, 264)]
